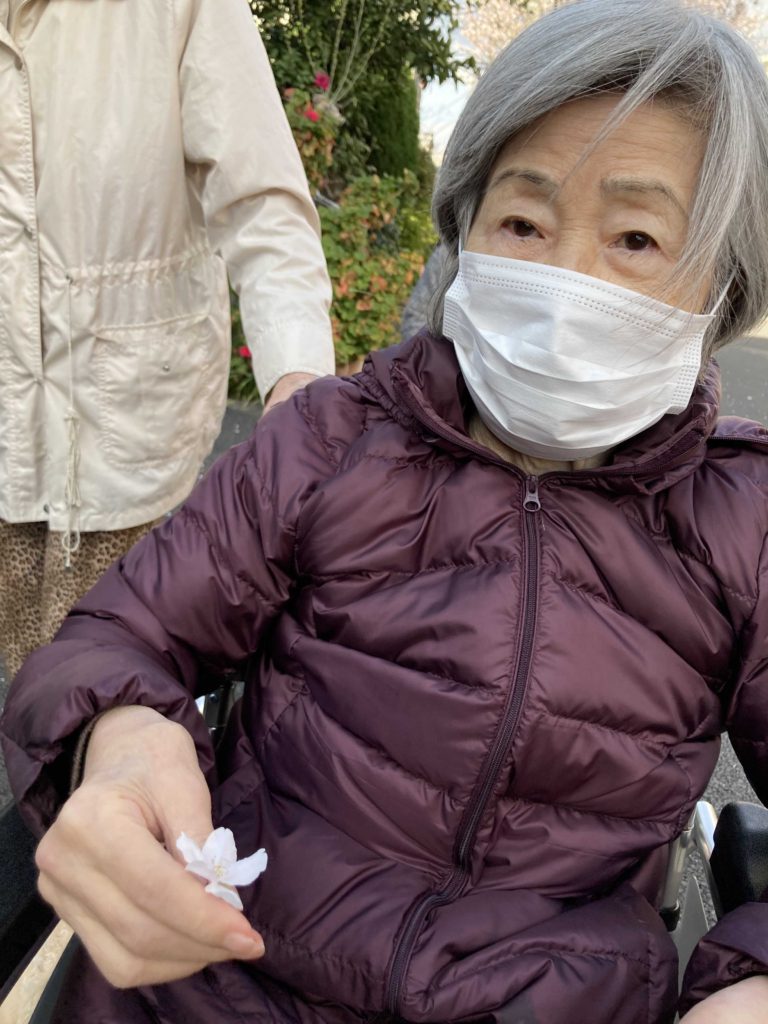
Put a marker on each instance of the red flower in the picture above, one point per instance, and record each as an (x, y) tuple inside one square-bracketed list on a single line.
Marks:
[(322, 81), (244, 351), (311, 114)]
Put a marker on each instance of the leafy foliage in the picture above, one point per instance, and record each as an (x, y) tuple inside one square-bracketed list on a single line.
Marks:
[(349, 38), (392, 122), (371, 269), (346, 71), (314, 121)]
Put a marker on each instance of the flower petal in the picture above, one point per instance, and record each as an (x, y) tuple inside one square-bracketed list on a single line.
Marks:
[(206, 871), (248, 869), (225, 893), (188, 848), (220, 847)]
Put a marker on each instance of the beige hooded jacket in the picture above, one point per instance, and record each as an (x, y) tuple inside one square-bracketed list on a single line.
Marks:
[(143, 152)]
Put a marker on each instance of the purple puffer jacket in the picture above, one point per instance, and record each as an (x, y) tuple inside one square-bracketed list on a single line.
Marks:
[(479, 703)]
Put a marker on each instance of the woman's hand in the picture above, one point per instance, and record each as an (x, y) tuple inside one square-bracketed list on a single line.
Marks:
[(745, 1002), (109, 865), (286, 386)]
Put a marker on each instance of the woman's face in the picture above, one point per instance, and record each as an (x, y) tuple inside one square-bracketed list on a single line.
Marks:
[(621, 215)]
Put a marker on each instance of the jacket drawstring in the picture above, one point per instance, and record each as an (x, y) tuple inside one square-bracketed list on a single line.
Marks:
[(70, 540)]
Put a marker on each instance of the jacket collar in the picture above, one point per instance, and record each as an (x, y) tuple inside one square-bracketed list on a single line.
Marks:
[(421, 383)]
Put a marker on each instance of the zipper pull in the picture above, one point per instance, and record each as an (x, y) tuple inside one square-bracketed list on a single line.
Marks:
[(531, 502)]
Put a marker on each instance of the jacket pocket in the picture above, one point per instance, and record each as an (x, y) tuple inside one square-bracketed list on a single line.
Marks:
[(158, 386)]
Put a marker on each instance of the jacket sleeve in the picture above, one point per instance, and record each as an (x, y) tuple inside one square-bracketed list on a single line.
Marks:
[(193, 597), (249, 179), (737, 946)]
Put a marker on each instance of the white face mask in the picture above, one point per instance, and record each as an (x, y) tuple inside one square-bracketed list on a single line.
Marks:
[(563, 366)]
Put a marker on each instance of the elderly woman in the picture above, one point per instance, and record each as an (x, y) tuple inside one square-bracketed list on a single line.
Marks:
[(499, 595)]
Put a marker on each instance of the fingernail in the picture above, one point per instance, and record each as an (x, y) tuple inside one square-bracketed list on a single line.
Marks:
[(244, 946)]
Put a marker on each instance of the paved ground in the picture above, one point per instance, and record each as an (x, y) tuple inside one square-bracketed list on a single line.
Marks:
[(745, 393)]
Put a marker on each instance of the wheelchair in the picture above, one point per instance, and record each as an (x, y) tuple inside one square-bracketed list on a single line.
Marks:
[(732, 848)]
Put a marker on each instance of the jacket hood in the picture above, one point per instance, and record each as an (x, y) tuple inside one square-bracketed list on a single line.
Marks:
[(420, 381)]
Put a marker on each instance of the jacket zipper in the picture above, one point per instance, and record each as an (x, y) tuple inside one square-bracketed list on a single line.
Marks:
[(457, 879), (459, 875)]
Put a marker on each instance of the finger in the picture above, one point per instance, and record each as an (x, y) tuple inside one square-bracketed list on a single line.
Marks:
[(138, 932), (119, 965), (161, 887), (138, 868)]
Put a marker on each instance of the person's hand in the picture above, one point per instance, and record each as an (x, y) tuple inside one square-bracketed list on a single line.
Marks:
[(109, 864), (745, 1002), (286, 386)]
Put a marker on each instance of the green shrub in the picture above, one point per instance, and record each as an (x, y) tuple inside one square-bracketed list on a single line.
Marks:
[(372, 272), (392, 123)]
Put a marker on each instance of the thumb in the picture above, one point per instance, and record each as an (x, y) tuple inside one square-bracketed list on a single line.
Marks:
[(182, 803)]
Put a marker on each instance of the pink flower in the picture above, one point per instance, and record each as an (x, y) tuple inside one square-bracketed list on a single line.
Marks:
[(311, 114), (322, 81), (244, 351)]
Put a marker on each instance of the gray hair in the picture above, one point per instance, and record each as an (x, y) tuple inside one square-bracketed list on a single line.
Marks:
[(643, 49)]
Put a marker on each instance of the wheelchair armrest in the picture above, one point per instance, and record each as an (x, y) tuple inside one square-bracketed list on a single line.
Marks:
[(739, 860), (24, 916)]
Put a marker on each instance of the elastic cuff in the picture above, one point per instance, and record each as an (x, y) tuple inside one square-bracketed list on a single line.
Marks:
[(293, 347), (78, 761)]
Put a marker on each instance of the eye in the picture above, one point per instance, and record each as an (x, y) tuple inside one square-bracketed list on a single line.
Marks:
[(521, 228), (638, 241)]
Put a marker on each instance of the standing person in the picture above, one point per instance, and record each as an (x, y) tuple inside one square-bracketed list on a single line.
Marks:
[(144, 152)]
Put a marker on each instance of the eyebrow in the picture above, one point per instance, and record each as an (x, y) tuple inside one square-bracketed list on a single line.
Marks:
[(541, 181), (643, 186), (609, 186)]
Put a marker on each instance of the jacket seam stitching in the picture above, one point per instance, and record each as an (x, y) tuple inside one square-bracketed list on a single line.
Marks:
[(427, 460), (281, 521), (295, 696), (608, 728), (640, 822), (220, 992), (97, 273), (385, 571), (684, 810), (473, 687), (378, 749), (330, 958), (380, 394), (560, 950), (314, 426), (237, 573), (581, 591), (665, 538), (662, 537)]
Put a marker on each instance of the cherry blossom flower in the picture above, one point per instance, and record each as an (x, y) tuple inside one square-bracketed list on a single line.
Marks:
[(322, 81), (217, 863)]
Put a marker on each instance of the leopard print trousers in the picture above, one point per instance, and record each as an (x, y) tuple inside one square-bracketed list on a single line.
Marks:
[(36, 588)]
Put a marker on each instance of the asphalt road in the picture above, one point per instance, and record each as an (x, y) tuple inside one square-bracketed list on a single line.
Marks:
[(745, 393)]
